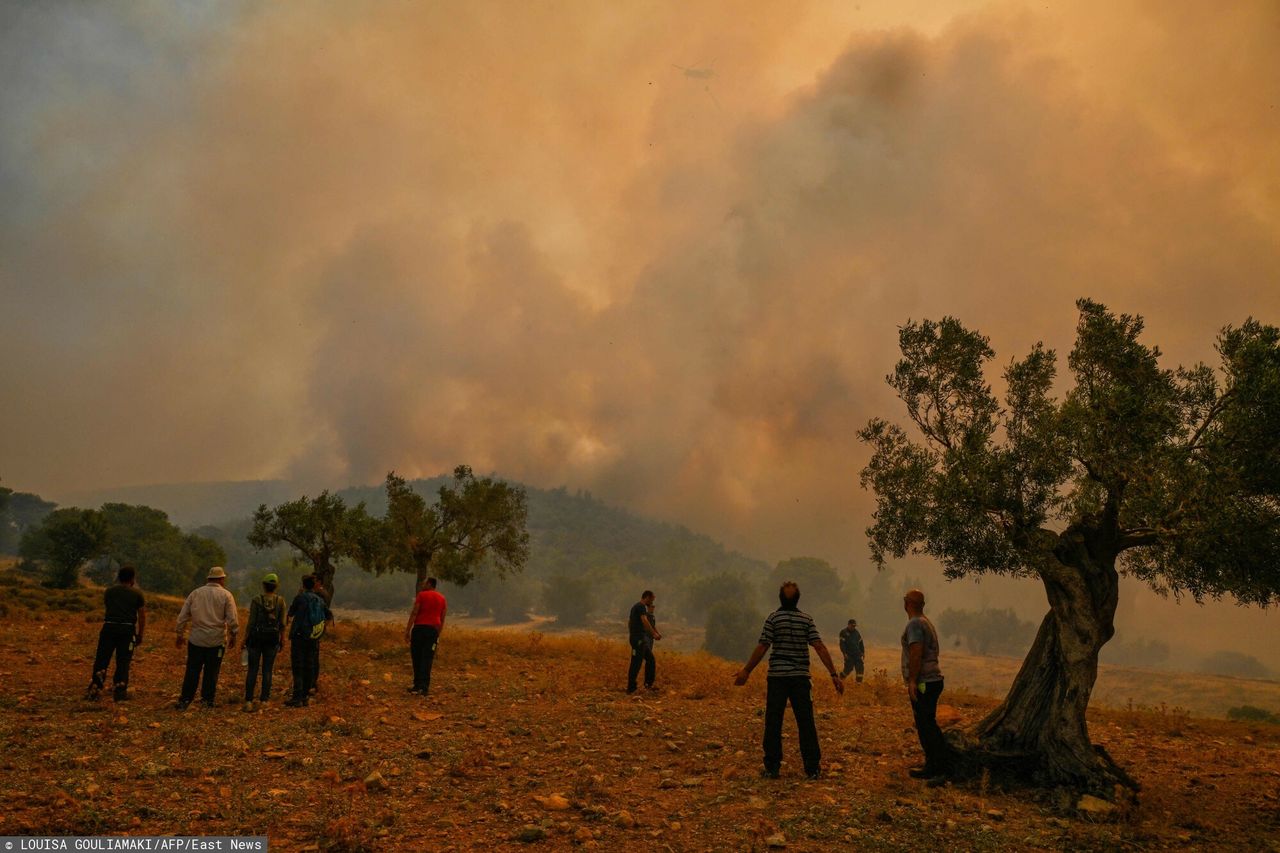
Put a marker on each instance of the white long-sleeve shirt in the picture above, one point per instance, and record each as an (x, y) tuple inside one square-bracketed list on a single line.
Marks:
[(211, 610)]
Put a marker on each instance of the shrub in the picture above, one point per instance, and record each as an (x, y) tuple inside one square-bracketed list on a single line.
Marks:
[(1236, 664), (1252, 714), (732, 628), (570, 600)]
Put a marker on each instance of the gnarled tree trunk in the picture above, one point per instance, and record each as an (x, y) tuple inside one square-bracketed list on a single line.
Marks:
[(1039, 731)]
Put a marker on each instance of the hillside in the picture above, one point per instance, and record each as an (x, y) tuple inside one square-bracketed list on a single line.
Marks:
[(530, 736), (571, 533)]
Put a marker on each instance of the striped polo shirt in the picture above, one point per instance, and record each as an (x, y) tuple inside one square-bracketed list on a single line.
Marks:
[(788, 634)]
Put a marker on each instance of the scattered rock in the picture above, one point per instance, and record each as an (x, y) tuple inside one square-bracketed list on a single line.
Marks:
[(757, 802), (375, 782), (692, 782), (1090, 804), (582, 835), (995, 814), (776, 840), (553, 803), (530, 834), (624, 820)]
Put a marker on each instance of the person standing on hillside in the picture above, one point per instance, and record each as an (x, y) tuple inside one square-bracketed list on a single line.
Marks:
[(852, 648), (263, 638), (426, 624), (923, 678), (211, 610), (787, 635), (306, 620), (123, 622), (642, 634), (326, 595)]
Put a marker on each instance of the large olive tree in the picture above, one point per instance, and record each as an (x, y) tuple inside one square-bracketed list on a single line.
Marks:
[(1171, 477)]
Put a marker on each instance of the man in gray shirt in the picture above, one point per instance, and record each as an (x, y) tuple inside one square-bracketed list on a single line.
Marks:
[(923, 678), (211, 611)]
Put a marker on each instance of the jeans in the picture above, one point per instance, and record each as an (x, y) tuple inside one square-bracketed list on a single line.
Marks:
[(115, 640), (937, 754), (302, 651), (208, 659), (263, 657), (850, 664), (641, 653), (798, 691), (422, 648)]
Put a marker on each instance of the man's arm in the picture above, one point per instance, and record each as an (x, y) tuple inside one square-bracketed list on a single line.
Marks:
[(413, 614), (756, 656), (825, 657), (184, 616), (915, 656), (142, 625), (232, 618), (444, 609), (648, 626)]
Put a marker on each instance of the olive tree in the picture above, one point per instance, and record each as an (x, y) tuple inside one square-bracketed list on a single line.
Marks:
[(1168, 476)]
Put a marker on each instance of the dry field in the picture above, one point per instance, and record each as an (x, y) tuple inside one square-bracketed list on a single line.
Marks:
[(528, 741)]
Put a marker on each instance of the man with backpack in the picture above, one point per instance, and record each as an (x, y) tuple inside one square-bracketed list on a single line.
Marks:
[(122, 627), (306, 618), (211, 611), (326, 595), (264, 638)]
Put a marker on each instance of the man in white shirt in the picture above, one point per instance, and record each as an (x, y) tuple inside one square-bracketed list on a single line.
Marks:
[(211, 610)]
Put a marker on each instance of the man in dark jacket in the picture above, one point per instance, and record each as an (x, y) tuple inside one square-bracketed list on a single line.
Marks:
[(642, 634), (852, 648), (307, 615), (122, 625)]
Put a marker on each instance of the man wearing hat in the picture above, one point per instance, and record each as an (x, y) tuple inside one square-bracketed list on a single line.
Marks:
[(211, 610), (852, 648), (263, 638)]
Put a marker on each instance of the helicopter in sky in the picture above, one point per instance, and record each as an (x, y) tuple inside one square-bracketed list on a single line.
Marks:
[(705, 72)]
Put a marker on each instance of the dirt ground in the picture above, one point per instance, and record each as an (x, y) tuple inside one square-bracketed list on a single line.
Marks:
[(528, 740)]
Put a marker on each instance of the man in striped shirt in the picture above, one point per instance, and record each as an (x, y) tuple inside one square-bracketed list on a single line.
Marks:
[(789, 632)]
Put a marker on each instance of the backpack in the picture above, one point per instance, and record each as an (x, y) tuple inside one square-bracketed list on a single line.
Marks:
[(315, 615), (267, 630)]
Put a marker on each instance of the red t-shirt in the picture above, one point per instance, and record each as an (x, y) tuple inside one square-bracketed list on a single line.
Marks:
[(431, 608)]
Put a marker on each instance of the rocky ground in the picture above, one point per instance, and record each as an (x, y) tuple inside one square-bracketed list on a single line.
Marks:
[(529, 740)]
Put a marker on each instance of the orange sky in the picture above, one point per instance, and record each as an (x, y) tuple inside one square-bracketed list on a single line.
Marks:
[(321, 241)]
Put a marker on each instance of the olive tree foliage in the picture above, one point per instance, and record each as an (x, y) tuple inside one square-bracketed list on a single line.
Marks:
[(322, 530), (1168, 476), (64, 541), (474, 522)]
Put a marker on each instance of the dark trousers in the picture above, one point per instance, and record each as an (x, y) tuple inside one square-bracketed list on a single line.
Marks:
[(641, 653), (937, 755), (850, 664), (264, 658), (798, 691), (315, 666), (113, 640), (422, 648), (302, 652), (210, 661)]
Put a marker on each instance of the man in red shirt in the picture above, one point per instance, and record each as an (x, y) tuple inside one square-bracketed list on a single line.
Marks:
[(426, 623)]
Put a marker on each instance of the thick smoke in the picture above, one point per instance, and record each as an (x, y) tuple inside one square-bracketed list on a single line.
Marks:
[(321, 242)]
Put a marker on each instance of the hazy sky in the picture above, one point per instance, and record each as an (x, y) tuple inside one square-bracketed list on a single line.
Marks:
[(321, 241)]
